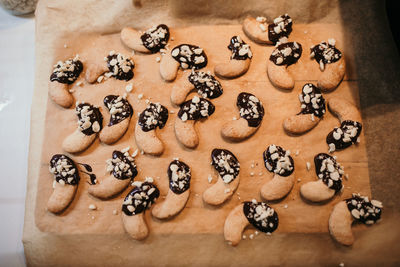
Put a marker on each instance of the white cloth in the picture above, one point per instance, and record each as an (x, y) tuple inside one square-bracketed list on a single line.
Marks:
[(17, 47)]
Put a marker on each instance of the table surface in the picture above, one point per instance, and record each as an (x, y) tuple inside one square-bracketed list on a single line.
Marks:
[(17, 48)]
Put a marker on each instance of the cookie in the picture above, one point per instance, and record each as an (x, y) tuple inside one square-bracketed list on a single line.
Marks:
[(329, 173), (239, 62), (350, 129), (204, 83), (190, 112), (258, 214), (312, 111), (66, 180), (138, 200), (153, 117), (90, 123), (282, 57), (186, 56), (357, 208), (251, 113), (278, 161), (150, 41), (179, 176), (120, 115), (64, 74), (121, 171), (331, 64), (228, 167), (259, 31), (114, 65)]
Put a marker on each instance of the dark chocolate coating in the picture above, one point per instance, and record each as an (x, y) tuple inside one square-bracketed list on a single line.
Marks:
[(273, 163), (221, 156), (58, 176), (326, 52), (340, 144), (336, 185), (286, 59), (370, 212), (266, 220), (95, 116), (157, 114), (195, 111), (309, 109), (205, 84), (184, 176), (68, 76), (146, 199), (247, 107), (190, 56), (132, 167), (285, 32), (154, 42), (235, 45), (126, 112), (121, 74)]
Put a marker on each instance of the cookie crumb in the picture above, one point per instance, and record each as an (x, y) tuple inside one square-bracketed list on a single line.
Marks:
[(129, 88), (140, 96), (260, 174), (308, 165), (251, 236), (299, 180), (346, 176), (172, 111), (158, 59), (134, 154), (79, 83), (285, 206), (92, 207), (256, 232), (100, 78), (234, 118), (252, 174), (244, 237), (149, 179), (227, 190), (126, 149), (332, 148), (115, 212), (71, 91), (65, 45), (209, 178), (172, 38), (137, 183), (268, 233), (341, 264)]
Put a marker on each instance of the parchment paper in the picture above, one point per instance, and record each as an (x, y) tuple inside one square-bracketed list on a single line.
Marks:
[(172, 243)]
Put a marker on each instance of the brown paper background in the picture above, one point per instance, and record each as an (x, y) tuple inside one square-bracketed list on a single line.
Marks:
[(171, 244)]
